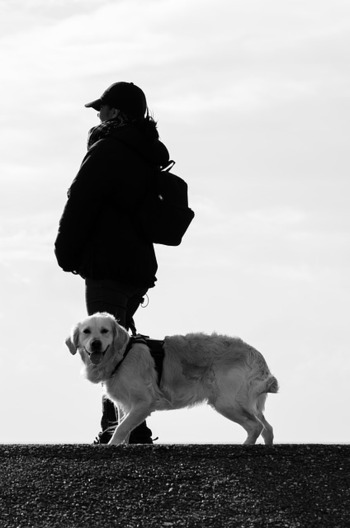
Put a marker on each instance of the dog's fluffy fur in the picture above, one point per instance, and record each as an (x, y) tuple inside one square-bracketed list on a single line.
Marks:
[(229, 375)]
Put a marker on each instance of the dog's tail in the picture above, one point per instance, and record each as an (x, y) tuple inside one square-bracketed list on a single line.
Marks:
[(271, 385), (263, 386)]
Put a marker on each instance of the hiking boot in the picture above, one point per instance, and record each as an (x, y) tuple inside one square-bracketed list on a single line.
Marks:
[(140, 435), (104, 437)]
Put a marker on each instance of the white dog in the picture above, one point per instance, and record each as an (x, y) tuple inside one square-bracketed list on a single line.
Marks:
[(222, 371)]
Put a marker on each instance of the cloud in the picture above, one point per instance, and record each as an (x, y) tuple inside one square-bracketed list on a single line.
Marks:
[(18, 15), (206, 61), (192, 64), (28, 237), (195, 67), (219, 219), (252, 102)]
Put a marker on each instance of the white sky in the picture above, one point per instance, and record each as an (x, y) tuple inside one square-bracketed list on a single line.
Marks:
[(252, 100)]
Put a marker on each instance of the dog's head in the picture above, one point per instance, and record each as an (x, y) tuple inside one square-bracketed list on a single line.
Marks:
[(96, 337)]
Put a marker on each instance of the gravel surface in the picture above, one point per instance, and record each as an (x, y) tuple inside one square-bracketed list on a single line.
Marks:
[(174, 485)]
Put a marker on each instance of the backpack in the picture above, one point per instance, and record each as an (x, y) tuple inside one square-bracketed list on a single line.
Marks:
[(164, 215)]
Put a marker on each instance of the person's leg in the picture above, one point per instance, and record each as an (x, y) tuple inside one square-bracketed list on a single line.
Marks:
[(107, 296), (99, 298), (109, 421), (141, 434), (122, 302), (134, 301)]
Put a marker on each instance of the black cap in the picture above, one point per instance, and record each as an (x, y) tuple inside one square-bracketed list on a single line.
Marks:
[(125, 96)]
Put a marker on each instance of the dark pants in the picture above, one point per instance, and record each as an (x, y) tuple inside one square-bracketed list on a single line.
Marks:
[(121, 301), (117, 299)]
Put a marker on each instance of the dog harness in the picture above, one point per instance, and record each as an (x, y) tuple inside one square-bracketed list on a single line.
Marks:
[(155, 347)]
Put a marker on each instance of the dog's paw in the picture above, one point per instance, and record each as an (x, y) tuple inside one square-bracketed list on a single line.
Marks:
[(118, 440)]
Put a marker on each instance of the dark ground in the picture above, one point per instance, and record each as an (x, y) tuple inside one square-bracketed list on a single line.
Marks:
[(179, 485)]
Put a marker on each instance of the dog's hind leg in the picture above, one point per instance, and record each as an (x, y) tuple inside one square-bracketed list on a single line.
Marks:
[(267, 432), (243, 417)]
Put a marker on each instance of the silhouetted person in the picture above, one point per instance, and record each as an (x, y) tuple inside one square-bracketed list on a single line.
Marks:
[(98, 238)]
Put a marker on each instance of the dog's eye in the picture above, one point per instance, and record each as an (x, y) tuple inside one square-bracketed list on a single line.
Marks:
[(87, 331), (104, 330)]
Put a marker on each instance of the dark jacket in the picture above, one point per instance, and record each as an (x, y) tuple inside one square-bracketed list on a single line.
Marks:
[(97, 235)]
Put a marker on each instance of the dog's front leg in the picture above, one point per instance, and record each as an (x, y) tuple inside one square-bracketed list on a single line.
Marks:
[(122, 413), (131, 419)]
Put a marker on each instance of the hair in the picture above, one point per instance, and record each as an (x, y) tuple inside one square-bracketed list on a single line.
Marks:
[(148, 125)]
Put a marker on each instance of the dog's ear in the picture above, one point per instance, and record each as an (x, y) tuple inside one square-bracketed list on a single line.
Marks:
[(72, 341), (120, 336)]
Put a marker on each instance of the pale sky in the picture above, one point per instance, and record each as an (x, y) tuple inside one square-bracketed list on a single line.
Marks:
[(252, 101)]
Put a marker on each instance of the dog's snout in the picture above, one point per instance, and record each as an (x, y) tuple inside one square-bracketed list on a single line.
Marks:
[(96, 345)]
